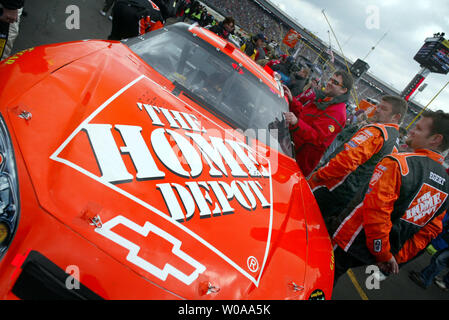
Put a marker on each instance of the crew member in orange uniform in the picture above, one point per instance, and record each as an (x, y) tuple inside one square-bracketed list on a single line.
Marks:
[(403, 208), (353, 163), (316, 122)]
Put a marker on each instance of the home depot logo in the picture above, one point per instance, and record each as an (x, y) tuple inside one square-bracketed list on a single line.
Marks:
[(182, 166), (424, 206)]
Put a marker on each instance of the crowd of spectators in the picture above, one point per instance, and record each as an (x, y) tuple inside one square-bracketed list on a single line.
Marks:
[(249, 16)]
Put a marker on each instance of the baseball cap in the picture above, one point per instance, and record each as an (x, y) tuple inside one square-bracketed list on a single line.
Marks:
[(261, 36)]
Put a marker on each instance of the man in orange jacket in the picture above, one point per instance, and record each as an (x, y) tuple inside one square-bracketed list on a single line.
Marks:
[(403, 208), (352, 164)]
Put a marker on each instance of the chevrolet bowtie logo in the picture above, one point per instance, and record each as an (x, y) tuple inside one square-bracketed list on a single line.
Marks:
[(134, 249)]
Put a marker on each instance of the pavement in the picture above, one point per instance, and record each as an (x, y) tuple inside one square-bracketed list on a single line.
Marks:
[(47, 22), (52, 21), (358, 284)]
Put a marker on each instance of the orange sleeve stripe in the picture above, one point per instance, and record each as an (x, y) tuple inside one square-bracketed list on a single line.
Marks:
[(378, 205)]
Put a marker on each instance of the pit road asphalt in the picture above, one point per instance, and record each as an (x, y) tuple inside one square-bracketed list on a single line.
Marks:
[(46, 22)]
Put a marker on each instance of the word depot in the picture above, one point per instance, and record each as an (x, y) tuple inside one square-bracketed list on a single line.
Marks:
[(183, 148)]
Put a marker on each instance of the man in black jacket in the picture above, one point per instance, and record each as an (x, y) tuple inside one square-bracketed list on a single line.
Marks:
[(131, 18), (10, 11), (224, 28), (170, 8), (298, 80)]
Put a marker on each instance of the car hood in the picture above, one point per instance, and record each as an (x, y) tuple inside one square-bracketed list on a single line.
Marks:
[(26, 68), (157, 182)]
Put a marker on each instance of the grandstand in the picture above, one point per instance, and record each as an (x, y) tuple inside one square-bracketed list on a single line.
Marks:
[(256, 16)]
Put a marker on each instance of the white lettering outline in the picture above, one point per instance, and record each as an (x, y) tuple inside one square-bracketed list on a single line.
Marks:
[(55, 157)]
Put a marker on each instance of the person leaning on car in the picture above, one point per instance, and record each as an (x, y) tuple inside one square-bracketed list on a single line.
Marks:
[(10, 12), (317, 120), (350, 166), (403, 209), (131, 18)]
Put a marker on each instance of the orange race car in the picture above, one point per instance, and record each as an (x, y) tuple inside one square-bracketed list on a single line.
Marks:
[(158, 167)]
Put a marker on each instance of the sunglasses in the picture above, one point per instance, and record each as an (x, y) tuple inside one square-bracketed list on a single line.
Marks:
[(335, 82)]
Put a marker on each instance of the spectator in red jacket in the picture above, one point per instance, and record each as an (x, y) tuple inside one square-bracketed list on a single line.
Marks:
[(317, 120)]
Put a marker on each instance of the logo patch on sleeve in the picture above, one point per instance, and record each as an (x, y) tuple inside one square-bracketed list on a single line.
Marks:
[(362, 137), (378, 172)]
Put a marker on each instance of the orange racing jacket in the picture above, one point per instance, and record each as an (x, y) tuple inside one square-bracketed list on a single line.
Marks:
[(352, 165), (401, 212)]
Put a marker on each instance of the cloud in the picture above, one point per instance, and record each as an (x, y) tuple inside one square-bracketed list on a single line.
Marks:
[(406, 23)]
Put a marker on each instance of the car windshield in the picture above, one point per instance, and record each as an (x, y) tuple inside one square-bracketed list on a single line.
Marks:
[(217, 82)]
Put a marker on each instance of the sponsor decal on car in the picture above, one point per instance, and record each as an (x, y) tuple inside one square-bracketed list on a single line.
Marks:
[(164, 158)]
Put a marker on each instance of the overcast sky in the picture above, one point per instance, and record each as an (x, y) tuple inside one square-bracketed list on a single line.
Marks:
[(359, 25)]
